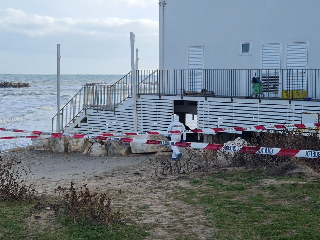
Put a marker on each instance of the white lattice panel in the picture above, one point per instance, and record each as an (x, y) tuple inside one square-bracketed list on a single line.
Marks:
[(154, 113), (249, 112), (99, 121)]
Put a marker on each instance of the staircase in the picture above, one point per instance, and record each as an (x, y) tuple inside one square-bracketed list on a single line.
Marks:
[(94, 97)]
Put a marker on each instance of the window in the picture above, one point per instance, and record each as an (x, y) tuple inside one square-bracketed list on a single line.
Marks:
[(245, 48)]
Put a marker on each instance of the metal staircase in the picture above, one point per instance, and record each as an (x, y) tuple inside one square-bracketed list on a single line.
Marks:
[(93, 96)]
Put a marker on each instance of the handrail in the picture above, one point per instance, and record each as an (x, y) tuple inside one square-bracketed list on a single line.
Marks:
[(69, 111), (99, 95), (108, 97)]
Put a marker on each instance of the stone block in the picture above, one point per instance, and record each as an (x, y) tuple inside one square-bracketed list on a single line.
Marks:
[(118, 148), (40, 143), (149, 148)]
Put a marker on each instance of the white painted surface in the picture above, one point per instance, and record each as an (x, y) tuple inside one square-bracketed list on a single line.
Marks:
[(152, 114), (195, 64), (271, 55), (222, 25), (310, 118), (297, 55), (156, 114)]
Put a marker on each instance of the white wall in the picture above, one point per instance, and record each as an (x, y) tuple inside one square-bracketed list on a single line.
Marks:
[(221, 25)]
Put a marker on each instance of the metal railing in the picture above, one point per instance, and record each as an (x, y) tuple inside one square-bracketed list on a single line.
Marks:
[(107, 97), (97, 95), (274, 83), (69, 111)]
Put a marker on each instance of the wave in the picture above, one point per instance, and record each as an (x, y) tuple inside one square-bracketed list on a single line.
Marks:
[(13, 119), (46, 108)]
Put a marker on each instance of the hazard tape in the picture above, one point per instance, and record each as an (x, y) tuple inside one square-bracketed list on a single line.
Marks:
[(207, 146), (260, 128), (103, 134)]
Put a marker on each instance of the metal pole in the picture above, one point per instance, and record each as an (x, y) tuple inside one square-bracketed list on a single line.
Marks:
[(134, 87), (137, 59), (58, 87)]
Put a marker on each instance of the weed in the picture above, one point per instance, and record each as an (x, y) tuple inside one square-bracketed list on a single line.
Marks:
[(93, 207), (11, 187)]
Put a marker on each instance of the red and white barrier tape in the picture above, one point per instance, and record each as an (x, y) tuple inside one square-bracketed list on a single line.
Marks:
[(206, 146), (103, 134), (276, 127)]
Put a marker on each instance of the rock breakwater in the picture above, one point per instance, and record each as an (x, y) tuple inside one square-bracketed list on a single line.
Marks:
[(13, 85)]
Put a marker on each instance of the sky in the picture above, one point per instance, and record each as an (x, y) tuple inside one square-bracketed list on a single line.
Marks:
[(94, 35)]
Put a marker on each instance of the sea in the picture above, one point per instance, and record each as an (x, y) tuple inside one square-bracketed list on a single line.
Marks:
[(32, 108)]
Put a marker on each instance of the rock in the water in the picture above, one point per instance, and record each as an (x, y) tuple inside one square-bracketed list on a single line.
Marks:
[(13, 85)]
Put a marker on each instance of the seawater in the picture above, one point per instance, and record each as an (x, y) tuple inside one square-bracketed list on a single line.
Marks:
[(32, 108)]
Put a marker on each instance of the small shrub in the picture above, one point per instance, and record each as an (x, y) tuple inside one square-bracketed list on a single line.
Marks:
[(11, 187), (86, 206)]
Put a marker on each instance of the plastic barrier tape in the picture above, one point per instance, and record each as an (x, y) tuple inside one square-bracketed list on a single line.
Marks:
[(215, 147)]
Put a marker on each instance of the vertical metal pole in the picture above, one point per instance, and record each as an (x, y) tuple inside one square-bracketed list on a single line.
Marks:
[(58, 87), (134, 87), (137, 59)]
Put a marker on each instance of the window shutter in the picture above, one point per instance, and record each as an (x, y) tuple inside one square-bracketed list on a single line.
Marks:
[(271, 56), (195, 65), (195, 57), (297, 55)]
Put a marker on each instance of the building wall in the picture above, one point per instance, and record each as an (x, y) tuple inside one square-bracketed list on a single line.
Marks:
[(221, 25)]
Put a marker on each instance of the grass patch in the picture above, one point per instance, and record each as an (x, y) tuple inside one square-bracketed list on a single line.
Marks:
[(15, 221), (12, 220), (88, 231), (243, 205)]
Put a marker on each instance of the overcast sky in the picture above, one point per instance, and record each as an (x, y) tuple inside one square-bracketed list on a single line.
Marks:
[(94, 35)]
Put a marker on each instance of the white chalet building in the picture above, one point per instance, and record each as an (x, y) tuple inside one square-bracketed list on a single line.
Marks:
[(239, 34), (230, 62)]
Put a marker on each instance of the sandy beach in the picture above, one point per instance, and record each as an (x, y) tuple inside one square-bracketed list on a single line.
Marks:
[(129, 180)]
